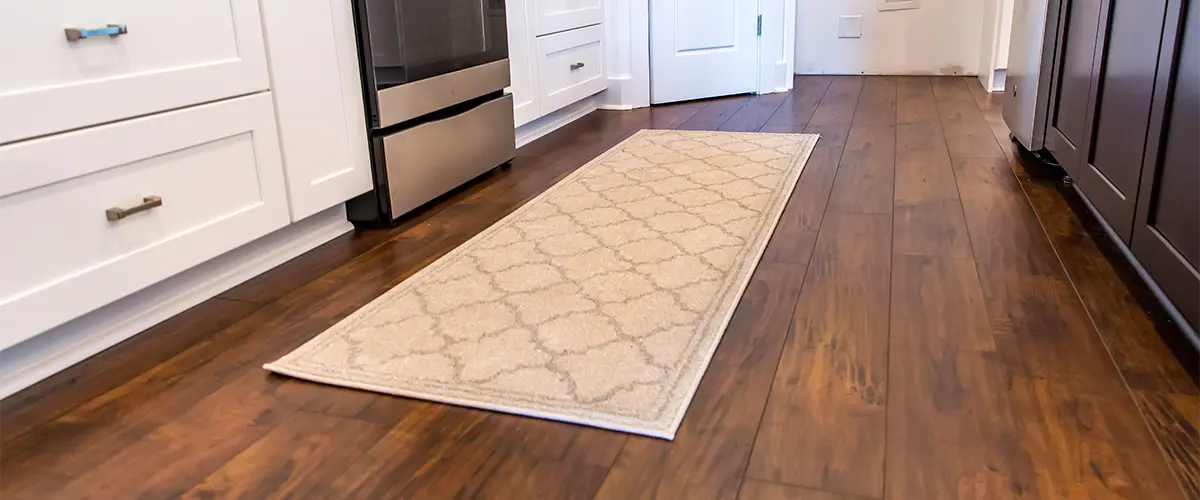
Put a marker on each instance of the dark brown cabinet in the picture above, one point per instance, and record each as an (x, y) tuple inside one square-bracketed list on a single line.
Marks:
[(1166, 238), (1125, 124), (1078, 34), (1110, 171)]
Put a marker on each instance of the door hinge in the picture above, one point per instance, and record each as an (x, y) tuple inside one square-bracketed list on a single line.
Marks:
[(760, 25)]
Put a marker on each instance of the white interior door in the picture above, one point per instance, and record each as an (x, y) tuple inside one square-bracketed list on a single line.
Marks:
[(702, 48)]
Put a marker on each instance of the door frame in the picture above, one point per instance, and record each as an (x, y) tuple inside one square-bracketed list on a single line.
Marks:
[(627, 32)]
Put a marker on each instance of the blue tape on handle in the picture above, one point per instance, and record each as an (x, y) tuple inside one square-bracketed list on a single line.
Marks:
[(106, 31)]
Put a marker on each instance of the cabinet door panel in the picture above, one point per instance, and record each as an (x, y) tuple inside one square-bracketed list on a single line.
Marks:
[(520, 63), (1111, 174), (1068, 121), (1166, 238), (318, 101), (1177, 213)]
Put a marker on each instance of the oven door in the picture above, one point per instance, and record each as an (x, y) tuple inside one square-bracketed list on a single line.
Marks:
[(403, 42)]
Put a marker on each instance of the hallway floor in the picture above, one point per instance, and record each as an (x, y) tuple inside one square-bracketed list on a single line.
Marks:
[(930, 321)]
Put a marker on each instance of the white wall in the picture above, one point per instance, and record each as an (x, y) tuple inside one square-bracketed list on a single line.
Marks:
[(940, 37)]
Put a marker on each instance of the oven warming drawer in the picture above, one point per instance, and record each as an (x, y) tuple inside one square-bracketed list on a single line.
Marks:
[(425, 161)]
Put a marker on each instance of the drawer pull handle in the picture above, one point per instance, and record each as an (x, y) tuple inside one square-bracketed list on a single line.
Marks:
[(118, 213), (112, 30), (576, 66)]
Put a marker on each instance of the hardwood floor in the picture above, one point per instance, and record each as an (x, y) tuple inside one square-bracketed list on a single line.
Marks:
[(930, 320)]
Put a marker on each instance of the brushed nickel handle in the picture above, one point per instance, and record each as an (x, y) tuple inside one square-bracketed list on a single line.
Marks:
[(118, 213), (576, 66), (112, 30)]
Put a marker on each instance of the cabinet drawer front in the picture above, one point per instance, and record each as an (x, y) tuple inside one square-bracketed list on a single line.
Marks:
[(430, 159), (215, 168), (172, 54), (552, 16), (570, 66)]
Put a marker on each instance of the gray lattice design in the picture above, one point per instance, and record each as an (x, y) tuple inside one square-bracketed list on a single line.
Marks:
[(600, 301)]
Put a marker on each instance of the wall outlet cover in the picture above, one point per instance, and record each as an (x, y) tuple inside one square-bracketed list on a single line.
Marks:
[(850, 26)]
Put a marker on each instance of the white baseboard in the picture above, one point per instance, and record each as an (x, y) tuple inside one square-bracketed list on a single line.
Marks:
[(30, 361), (881, 73), (534, 130), (625, 93)]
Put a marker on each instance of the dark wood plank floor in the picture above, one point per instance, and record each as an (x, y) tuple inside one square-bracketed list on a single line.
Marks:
[(930, 321)]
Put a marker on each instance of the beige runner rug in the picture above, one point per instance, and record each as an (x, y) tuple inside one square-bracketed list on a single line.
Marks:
[(599, 302)]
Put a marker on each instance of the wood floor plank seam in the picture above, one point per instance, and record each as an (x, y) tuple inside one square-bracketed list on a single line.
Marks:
[(791, 323), (856, 113), (887, 365), (773, 101), (958, 187), (796, 82), (962, 206), (954, 175), (957, 342)]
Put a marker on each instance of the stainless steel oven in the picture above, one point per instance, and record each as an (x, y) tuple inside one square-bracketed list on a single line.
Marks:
[(434, 72)]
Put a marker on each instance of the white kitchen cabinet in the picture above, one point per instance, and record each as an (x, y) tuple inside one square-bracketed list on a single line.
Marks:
[(93, 215), (556, 55), (145, 172), (520, 62), (172, 54), (317, 89), (570, 67), (552, 16)]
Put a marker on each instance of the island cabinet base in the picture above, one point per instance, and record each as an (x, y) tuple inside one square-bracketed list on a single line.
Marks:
[(1127, 111), (1178, 333)]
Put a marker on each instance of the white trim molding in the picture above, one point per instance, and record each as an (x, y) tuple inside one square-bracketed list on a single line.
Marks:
[(994, 42), (776, 45), (534, 130), (627, 53)]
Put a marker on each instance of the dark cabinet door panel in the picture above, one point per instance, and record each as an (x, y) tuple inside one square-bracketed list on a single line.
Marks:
[(1079, 31), (1113, 168), (1166, 237), (1177, 211)]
